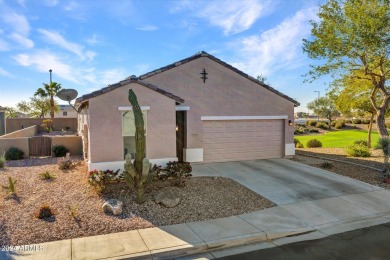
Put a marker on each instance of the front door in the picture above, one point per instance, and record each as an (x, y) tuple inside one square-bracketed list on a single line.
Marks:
[(180, 134)]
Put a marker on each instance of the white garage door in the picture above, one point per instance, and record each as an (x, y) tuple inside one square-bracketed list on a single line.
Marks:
[(242, 140)]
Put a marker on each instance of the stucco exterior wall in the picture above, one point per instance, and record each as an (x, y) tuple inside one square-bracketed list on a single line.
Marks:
[(26, 132), (225, 93), (21, 143), (105, 128), (73, 143)]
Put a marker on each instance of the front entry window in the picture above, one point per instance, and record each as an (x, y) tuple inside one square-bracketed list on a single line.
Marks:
[(128, 132)]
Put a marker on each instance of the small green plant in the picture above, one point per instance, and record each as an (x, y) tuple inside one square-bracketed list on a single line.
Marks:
[(326, 165), (296, 141), (11, 186), (64, 163), (44, 212), (387, 125), (46, 175), (311, 123), (356, 121), (358, 150), (299, 145), (2, 161), (361, 142), (59, 151), (313, 143), (14, 153), (313, 130), (74, 212)]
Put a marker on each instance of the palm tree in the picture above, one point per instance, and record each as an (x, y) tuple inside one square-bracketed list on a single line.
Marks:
[(49, 90)]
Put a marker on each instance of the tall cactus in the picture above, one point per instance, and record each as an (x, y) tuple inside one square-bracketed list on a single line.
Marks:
[(139, 175)]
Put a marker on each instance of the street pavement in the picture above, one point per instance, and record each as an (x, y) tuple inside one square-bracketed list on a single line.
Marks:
[(366, 243)]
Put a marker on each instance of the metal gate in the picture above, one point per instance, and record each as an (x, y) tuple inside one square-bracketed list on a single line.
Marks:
[(39, 146)]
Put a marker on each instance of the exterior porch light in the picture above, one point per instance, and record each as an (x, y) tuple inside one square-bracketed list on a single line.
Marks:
[(290, 123)]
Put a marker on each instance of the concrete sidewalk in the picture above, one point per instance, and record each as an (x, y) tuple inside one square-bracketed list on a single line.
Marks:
[(312, 203)]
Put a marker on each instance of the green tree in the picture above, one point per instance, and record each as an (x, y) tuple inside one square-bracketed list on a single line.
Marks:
[(10, 112), (352, 95), (49, 91), (324, 107), (37, 107), (354, 36), (262, 79)]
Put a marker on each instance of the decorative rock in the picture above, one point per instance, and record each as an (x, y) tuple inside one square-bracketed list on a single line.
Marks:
[(113, 206), (167, 199)]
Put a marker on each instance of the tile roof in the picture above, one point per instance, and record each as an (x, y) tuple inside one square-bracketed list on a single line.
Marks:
[(205, 54), (131, 79)]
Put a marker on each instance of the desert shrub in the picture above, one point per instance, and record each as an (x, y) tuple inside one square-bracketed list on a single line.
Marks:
[(14, 153), (44, 212), (366, 121), (384, 145), (338, 125), (64, 163), (333, 123), (298, 131), (314, 131), (46, 175), (59, 151), (348, 121), (321, 125), (361, 142), (296, 141), (99, 179), (176, 171), (313, 143), (356, 121), (311, 123), (2, 161), (326, 165), (357, 150), (299, 145)]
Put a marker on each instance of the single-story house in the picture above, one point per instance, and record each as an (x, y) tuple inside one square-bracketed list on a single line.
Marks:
[(199, 109)]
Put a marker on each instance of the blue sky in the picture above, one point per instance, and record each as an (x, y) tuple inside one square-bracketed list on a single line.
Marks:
[(89, 44)]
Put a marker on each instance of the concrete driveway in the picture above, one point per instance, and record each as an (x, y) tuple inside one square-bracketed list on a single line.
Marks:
[(284, 181)]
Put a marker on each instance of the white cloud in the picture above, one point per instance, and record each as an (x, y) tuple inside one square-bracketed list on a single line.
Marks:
[(17, 22), (5, 73), (50, 2), (21, 40), (148, 28), (93, 40), (232, 16), (57, 39), (21, 2), (43, 60), (4, 45), (277, 48)]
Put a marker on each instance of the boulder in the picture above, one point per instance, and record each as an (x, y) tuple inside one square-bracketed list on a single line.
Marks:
[(113, 206), (167, 199)]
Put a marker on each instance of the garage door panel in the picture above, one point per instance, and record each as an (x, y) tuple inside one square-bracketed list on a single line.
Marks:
[(242, 140)]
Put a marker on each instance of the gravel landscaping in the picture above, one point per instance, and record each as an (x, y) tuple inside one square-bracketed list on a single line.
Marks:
[(202, 198), (350, 170)]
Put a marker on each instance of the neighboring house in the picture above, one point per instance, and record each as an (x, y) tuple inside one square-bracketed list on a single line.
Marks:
[(66, 111), (199, 109)]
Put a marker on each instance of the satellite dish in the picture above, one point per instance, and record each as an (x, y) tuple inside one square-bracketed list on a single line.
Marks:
[(67, 94)]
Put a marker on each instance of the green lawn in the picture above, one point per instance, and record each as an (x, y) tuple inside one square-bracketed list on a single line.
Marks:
[(339, 138)]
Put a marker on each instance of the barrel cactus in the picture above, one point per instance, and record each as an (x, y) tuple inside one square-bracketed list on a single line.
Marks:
[(139, 174)]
